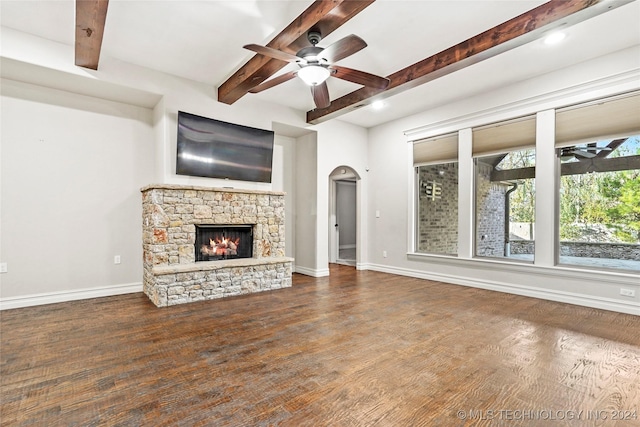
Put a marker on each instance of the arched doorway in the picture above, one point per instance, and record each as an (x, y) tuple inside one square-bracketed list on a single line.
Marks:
[(343, 223)]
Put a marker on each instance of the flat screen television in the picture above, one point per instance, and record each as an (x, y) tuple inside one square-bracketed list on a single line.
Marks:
[(215, 149)]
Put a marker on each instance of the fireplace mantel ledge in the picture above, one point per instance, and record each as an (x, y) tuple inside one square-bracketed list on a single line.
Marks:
[(213, 189), (216, 265)]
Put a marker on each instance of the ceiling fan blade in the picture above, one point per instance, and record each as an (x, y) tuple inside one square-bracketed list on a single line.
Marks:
[(344, 47), (611, 146), (273, 82), (273, 53), (360, 77), (584, 154), (321, 95), (596, 149)]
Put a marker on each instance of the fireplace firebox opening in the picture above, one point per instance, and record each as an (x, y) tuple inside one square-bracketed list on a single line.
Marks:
[(218, 242)]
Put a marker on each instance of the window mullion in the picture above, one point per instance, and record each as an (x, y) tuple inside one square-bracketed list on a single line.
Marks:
[(546, 194)]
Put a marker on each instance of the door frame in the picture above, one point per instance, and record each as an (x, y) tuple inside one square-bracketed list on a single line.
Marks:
[(341, 173)]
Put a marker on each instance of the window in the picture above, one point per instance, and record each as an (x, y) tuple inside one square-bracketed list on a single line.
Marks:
[(436, 167), (591, 208), (504, 156), (505, 205), (599, 204)]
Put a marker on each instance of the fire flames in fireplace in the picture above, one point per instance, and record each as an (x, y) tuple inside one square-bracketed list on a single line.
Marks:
[(218, 242), (221, 247)]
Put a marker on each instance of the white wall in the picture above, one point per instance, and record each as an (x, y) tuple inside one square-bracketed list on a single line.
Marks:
[(333, 144), (306, 214), (340, 144), (284, 179), (390, 175), (72, 169)]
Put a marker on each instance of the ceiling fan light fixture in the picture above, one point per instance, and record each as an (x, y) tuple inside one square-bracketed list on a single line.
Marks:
[(314, 75)]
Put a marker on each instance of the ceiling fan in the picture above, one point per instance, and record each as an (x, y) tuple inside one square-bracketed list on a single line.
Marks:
[(317, 64), (584, 152)]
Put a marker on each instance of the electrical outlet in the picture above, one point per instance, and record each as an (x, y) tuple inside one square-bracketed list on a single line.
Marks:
[(384, 254), (627, 292), (3, 267), (116, 259)]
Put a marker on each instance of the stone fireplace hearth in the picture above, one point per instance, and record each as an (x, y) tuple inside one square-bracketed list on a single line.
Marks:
[(174, 272)]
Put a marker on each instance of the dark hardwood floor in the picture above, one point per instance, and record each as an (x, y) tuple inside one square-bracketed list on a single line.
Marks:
[(354, 349)]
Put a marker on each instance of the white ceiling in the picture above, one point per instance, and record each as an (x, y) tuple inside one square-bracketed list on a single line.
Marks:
[(202, 41)]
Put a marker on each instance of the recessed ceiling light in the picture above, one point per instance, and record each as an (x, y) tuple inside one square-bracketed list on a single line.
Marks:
[(377, 105), (554, 38)]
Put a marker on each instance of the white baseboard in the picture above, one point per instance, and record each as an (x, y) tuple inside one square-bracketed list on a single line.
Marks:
[(312, 272), (528, 291), (63, 296), (352, 246)]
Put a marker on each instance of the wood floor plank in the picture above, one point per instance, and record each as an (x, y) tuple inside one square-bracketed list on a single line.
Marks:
[(357, 348)]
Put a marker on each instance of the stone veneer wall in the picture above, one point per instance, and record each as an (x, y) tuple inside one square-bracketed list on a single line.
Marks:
[(170, 213), (626, 251), (490, 206), (438, 219)]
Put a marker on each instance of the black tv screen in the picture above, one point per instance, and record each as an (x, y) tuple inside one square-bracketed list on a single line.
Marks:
[(214, 149)]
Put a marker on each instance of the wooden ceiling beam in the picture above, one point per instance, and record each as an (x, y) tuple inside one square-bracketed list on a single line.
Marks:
[(502, 38), (600, 164), (323, 15), (90, 18)]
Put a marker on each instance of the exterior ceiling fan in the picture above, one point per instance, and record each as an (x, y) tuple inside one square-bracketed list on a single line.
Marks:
[(584, 152), (317, 64)]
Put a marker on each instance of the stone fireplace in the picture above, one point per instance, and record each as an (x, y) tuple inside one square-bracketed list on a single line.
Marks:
[(204, 243)]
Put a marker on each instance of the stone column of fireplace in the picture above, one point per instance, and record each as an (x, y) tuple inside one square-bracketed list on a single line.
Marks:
[(169, 215)]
